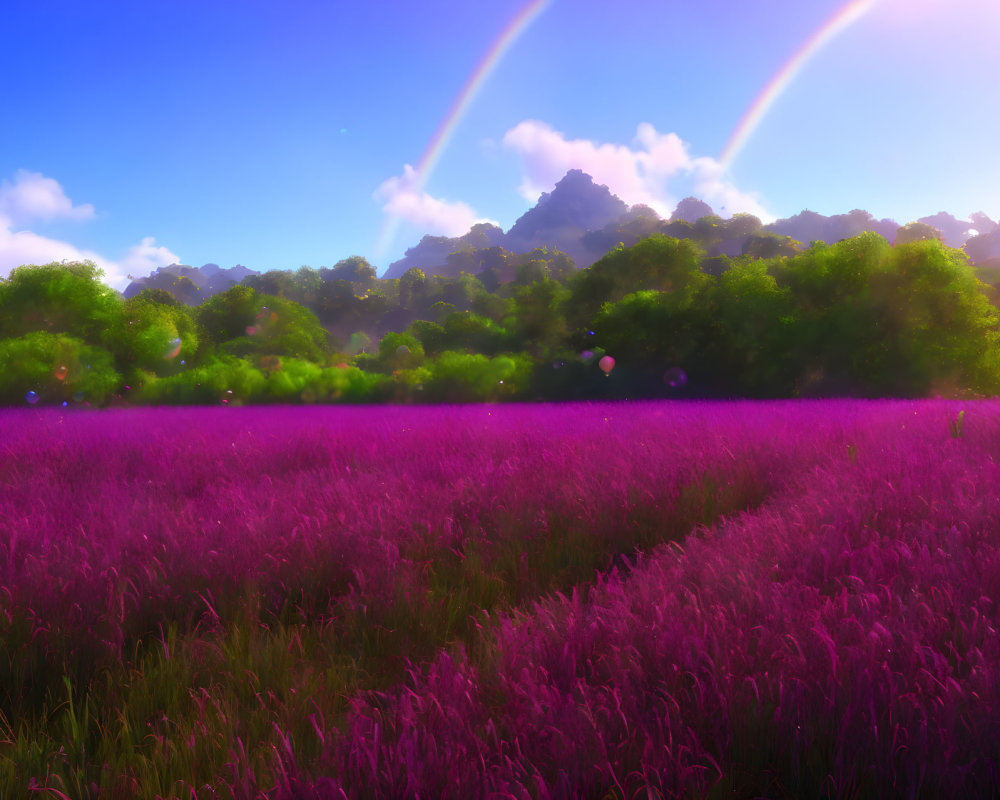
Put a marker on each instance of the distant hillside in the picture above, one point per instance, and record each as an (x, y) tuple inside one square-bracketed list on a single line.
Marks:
[(190, 285), (808, 226), (560, 219), (434, 250), (585, 220)]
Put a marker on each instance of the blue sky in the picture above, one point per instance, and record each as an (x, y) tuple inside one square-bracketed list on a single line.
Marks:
[(273, 135)]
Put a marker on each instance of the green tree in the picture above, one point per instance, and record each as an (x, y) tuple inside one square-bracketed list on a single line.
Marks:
[(770, 245), (227, 315), (355, 270), (464, 330), (399, 351), (917, 232), (649, 332), (940, 320), (838, 338), (742, 225), (658, 263), (153, 336), (471, 377), (747, 333), (431, 335), (275, 282), (59, 298), (539, 322), (245, 323), (55, 368), (412, 288)]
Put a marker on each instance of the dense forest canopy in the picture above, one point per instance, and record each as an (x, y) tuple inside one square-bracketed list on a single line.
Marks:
[(675, 313)]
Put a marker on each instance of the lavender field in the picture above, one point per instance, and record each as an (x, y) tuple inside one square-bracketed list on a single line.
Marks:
[(657, 599)]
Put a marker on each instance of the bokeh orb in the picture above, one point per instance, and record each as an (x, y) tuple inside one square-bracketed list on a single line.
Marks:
[(675, 377), (31, 397)]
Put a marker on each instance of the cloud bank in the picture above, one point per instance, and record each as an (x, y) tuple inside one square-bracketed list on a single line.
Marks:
[(642, 173), (403, 198), (32, 197)]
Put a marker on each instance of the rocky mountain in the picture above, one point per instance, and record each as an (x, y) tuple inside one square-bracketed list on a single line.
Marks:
[(560, 219), (190, 285), (434, 250), (585, 220), (691, 209), (957, 232), (808, 226)]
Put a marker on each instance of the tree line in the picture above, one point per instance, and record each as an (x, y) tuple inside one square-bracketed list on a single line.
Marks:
[(657, 319)]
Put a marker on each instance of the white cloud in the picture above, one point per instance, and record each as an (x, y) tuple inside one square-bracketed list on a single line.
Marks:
[(726, 199), (639, 174), (24, 247), (18, 248), (32, 197), (35, 197), (141, 259), (403, 198)]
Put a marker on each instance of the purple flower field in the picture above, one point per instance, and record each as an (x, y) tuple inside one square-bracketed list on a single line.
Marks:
[(655, 599)]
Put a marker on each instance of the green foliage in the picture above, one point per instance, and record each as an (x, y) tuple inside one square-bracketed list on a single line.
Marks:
[(355, 269), (872, 320), (955, 425), (917, 232), (471, 377), (765, 244), (227, 315), (233, 381), (748, 333), (245, 323), (855, 318), (943, 320), (219, 378), (58, 368), (154, 336), (412, 287), (400, 351), (539, 325), (59, 298), (470, 332), (274, 282), (837, 342), (659, 263), (431, 335), (647, 333), (154, 295)]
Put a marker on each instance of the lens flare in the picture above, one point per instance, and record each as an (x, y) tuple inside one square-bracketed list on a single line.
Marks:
[(675, 377)]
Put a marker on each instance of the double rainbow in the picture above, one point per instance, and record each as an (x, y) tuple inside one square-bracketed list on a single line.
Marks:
[(435, 147), (847, 14), (843, 17)]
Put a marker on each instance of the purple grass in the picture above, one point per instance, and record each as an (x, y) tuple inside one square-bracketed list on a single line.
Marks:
[(839, 639)]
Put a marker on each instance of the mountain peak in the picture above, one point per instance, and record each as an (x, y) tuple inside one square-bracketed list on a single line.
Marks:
[(575, 202), (691, 209)]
